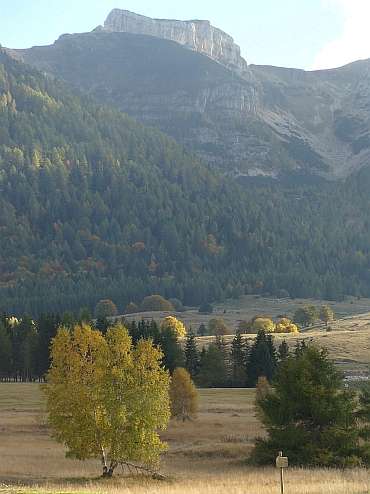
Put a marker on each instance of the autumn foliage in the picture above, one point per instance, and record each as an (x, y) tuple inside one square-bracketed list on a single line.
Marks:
[(105, 398)]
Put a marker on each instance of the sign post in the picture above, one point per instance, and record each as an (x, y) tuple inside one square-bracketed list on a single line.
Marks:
[(281, 462)]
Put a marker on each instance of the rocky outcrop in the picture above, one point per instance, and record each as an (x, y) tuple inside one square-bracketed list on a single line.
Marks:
[(195, 35)]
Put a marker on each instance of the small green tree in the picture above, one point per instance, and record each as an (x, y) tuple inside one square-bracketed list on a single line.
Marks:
[(326, 314), (202, 330), (307, 416), (212, 323), (221, 329), (306, 315), (205, 308), (105, 308), (85, 316), (283, 351)]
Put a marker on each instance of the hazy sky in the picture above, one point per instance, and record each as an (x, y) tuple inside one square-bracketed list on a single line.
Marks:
[(306, 34)]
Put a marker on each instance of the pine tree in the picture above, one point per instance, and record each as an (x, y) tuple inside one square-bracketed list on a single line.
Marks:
[(213, 371), (260, 361), (283, 351), (191, 354), (307, 416), (238, 360), (173, 354)]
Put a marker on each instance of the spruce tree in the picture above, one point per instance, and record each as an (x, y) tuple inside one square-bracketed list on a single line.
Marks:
[(191, 354), (238, 360), (260, 362), (283, 351), (213, 371), (307, 416)]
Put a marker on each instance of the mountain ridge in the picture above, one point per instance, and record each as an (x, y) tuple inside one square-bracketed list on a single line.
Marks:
[(251, 121)]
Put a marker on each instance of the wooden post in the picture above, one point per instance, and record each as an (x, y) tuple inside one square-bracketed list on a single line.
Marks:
[(282, 480), (281, 462)]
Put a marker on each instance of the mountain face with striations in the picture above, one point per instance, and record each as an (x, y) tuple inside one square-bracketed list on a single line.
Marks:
[(188, 79), (195, 35)]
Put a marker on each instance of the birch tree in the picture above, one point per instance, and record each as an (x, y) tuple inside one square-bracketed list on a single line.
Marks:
[(105, 398)]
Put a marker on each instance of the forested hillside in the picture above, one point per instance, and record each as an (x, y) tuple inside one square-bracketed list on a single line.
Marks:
[(95, 205)]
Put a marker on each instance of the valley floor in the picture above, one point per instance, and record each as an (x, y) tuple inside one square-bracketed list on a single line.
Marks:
[(206, 456)]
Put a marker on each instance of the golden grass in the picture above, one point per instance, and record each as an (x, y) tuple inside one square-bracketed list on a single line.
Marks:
[(206, 456)]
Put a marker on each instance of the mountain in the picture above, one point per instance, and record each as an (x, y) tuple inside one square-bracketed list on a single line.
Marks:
[(324, 113), (188, 79)]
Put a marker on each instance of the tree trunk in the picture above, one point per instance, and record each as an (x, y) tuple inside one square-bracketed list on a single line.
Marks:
[(112, 466), (104, 462)]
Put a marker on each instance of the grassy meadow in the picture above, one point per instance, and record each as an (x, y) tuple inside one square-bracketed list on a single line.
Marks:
[(206, 456)]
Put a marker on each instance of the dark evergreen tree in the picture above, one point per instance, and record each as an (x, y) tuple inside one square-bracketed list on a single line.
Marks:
[(260, 361), (300, 347), (47, 327), (283, 351), (202, 330), (5, 353), (205, 308), (191, 354), (213, 371), (238, 360), (173, 355), (307, 416), (272, 351), (102, 324)]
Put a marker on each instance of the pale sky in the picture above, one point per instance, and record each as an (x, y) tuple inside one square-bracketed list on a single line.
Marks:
[(305, 34)]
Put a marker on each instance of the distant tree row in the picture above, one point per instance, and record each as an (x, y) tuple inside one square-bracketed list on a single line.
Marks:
[(25, 348)]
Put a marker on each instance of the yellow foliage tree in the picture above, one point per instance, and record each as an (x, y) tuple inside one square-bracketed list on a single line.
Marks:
[(263, 324), (183, 395), (105, 398), (285, 326), (173, 323), (155, 302)]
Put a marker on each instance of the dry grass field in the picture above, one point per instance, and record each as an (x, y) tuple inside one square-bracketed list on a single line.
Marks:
[(206, 456)]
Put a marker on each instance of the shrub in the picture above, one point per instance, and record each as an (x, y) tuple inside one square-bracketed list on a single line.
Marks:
[(156, 303)]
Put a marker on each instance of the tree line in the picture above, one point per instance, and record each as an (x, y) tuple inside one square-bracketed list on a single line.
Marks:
[(25, 348)]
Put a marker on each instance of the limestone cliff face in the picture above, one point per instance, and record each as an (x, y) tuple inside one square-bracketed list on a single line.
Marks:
[(195, 35)]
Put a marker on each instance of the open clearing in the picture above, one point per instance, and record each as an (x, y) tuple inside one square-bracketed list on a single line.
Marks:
[(206, 456), (348, 342)]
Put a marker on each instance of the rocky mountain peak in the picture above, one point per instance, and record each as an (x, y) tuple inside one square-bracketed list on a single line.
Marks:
[(197, 35)]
